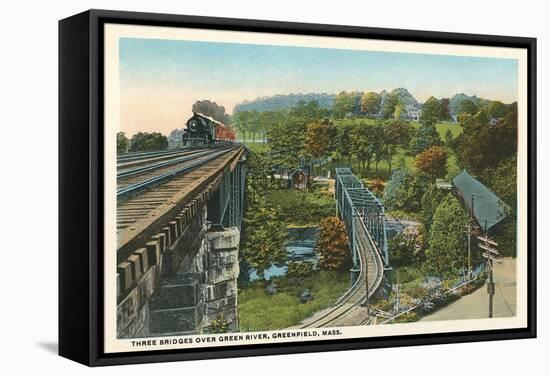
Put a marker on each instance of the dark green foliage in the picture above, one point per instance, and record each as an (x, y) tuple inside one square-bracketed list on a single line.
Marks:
[(388, 106), (497, 109), (431, 112), (404, 191), (467, 107), (122, 143), (143, 141), (425, 137), (345, 103), (444, 109), (446, 253), (264, 238), (370, 103), (430, 201), (482, 145)]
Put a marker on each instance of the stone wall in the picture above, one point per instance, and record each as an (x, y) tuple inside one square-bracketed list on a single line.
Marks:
[(193, 282)]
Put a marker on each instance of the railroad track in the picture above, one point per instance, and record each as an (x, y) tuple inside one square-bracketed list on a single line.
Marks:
[(130, 161), (134, 179), (165, 190), (341, 314)]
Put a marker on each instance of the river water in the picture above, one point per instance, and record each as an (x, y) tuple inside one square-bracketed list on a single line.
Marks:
[(299, 247)]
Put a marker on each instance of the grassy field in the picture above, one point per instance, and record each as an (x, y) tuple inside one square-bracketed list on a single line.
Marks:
[(260, 311)]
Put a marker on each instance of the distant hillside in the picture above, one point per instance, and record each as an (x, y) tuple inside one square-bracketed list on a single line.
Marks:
[(278, 102), (456, 100)]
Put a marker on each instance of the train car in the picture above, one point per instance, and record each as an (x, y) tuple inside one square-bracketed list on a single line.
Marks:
[(205, 131)]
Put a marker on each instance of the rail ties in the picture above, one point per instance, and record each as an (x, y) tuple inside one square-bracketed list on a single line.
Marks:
[(131, 181)]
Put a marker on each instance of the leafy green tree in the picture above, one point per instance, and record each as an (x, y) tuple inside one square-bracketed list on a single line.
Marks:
[(397, 133), (467, 107), (406, 248), (503, 181), (432, 162), (370, 103), (388, 106), (404, 191), (431, 111), (259, 167), (344, 103), (497, 109), (430, 201), (241, 123), (444, 109), (362, 145), (121, 143), (264, 238), (342, 141), (143, 141), (400, 111), (425, 137), (446, 253), (332, 245), (377, 143), (482, 146)]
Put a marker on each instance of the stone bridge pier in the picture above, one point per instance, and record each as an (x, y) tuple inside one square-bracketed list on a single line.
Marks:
[(191, 276)]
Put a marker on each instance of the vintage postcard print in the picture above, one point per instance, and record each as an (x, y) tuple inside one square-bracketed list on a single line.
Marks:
[(272, 188)]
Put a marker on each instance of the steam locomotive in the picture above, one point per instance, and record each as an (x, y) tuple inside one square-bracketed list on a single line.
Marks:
[(204, 131)]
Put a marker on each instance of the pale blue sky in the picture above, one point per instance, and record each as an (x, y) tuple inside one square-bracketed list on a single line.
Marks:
[(230, 73)]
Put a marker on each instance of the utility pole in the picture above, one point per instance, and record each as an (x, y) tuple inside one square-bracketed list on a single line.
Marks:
[(490, 253), (469, 232)]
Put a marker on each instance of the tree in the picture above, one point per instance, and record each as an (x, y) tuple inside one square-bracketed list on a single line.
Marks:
[(388, 106), (482, 146), (121, 143), (432, 162), (431, 111), (444, 109), (344, 103), (404, 191), (467, 107), (430, 201), (405, 248), (400, 111), (426, 136), (397, 133), (362, 146), (497, 109), (342, 141), (259, 167), (370, 103), (143, 141), (264, 237), (446, 253), (320, 138), (332, 245)]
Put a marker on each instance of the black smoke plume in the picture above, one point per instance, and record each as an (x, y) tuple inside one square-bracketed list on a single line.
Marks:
[(213, 110)]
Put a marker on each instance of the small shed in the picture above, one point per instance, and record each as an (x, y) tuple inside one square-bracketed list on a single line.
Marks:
[(298, 178), (484, 205)]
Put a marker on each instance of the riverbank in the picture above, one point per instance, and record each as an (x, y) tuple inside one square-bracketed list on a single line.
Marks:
[(259, 310)]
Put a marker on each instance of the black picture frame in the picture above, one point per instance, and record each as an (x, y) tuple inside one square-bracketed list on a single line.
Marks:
[(81, 196)]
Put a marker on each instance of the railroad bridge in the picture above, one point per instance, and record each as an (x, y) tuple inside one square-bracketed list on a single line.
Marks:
[(179, 216), (364, 218)]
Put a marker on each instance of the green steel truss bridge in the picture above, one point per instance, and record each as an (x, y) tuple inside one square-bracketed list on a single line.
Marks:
[(363, 215)]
